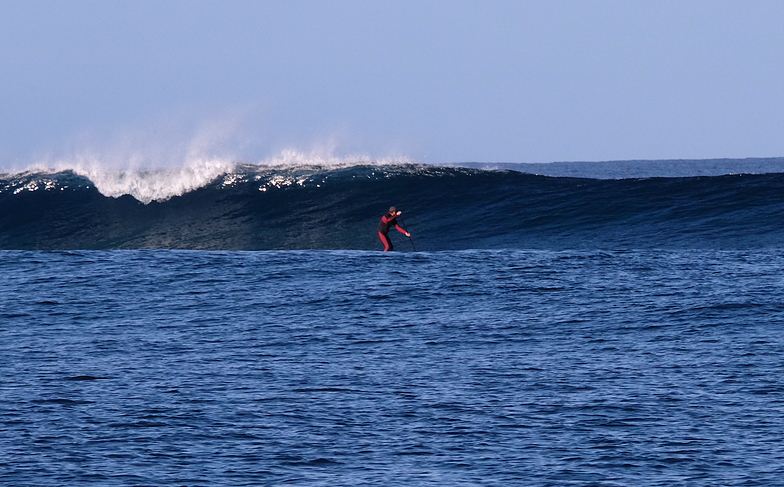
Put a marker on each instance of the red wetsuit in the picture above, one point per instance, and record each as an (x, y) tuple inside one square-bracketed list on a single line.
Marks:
[(388, 221)]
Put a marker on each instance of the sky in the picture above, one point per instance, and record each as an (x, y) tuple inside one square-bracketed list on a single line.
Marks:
[(434, 81)]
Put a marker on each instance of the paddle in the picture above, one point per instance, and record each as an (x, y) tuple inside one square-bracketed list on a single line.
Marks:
[(403, 224)]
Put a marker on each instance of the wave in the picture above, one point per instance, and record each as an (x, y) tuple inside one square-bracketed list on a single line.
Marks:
[(217, 205)]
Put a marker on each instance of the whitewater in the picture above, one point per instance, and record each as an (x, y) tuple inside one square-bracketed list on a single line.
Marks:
[(227, 324)]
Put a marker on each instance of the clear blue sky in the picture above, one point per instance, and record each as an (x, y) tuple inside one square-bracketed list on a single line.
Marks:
[(434, 80)]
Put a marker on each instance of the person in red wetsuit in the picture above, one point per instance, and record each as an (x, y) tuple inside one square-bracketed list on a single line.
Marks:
[(388, 221)]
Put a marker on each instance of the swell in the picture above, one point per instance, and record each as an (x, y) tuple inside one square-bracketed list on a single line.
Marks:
[(255, 208)]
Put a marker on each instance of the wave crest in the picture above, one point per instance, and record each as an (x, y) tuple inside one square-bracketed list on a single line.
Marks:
[(147, 184), (159, 184)]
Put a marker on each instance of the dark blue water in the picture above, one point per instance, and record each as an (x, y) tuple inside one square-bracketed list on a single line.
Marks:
[(337, 368)]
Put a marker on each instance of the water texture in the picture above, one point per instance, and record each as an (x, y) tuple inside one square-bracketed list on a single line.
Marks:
[(337, 368)]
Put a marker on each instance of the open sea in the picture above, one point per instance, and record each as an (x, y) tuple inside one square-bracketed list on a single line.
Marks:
[(243, 329)]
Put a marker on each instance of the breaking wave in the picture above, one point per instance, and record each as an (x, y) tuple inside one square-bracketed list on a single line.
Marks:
[(298, 202)]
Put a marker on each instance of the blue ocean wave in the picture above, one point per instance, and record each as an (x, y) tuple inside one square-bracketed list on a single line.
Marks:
[(445, 208)]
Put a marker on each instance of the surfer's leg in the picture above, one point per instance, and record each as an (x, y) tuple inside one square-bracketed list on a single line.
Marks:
[(385, 240)]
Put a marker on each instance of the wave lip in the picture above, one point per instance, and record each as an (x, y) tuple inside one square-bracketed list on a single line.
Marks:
[(146, 184), (159, 184)]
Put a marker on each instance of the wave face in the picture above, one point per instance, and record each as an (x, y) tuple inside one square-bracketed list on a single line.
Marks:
[(446, 208)]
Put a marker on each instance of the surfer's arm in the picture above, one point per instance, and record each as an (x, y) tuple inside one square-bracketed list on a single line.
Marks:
[(402, 230), (386, 218)]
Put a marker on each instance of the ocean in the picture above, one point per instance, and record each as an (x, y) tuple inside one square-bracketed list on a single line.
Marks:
[(243, 329)]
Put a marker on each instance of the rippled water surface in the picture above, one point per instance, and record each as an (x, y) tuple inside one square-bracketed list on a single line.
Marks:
[(329, 368)]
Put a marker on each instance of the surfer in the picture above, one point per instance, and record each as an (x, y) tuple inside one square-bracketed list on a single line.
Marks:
[(388, 221)]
